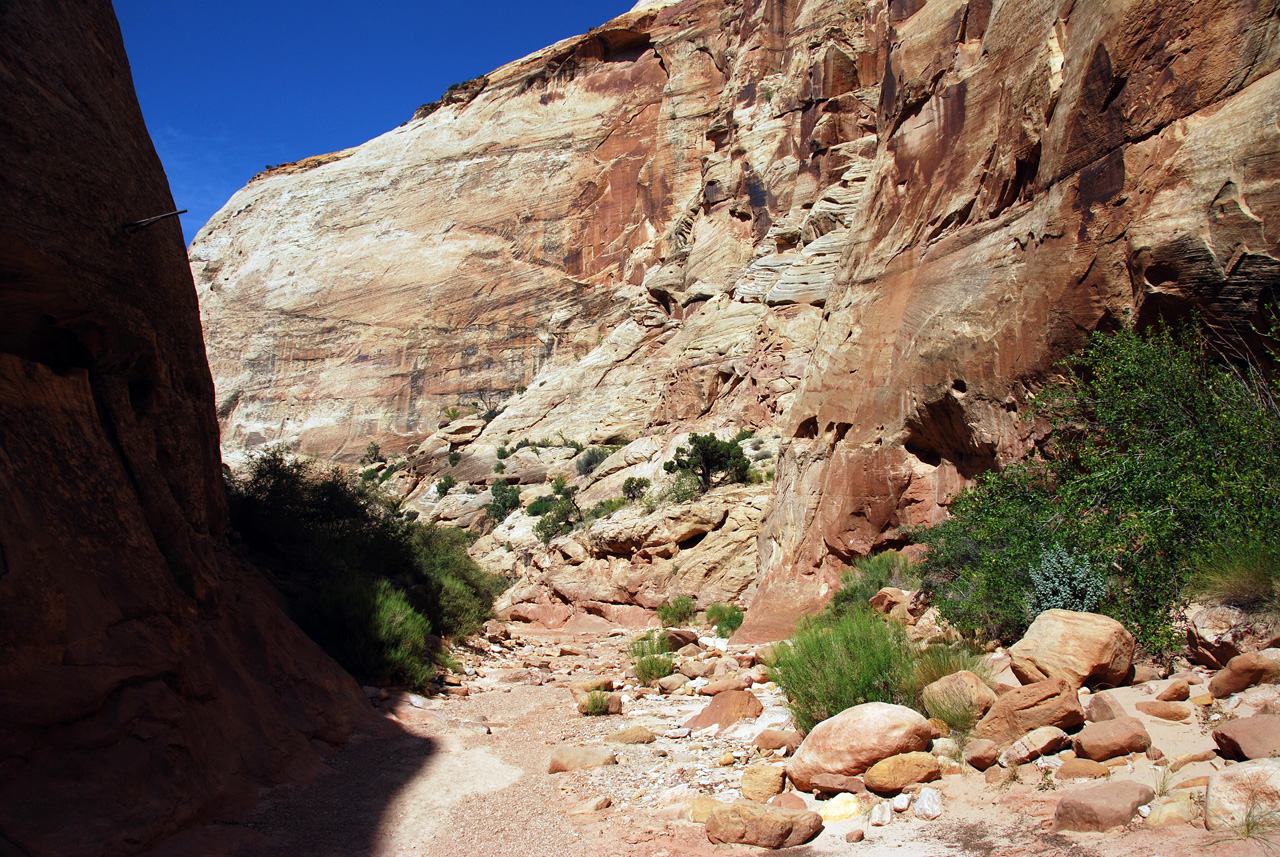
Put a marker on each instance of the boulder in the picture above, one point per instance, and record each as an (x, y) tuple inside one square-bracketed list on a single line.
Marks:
[(857, 738), (672, 683), (844, 806), (678, 638), (726, 709), (1215, 635), (1246, 738), (764, 826), (1083, 648), (1104, 705), (888, 598), (959, 689), (461, 431), (1177, 691), (892, 775), (827, 785), (761, 781), (778, 739), (1081, 769), (1244, 671), (1180, 810), (1174, 711), (1111, 738), (632, 735), (578, 758), (1033, 745), (719, 686), (1237, 792), (788, 800), (1099, 808), (981, 753), (1044, 703), (699, 809)]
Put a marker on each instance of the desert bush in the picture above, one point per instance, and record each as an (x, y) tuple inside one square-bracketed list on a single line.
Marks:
[(502, 453), (726, 617), (590, 460), (453, 458), (540, 506), (867, 576), (1160, 449), (596, 704), (1244, 574), (677, 611), (372, 454), (939, 661), (684, 487), (650, 653), (711, 460), (605, 507), (444, 483), (506, 499), (449, 414), (563, 514), (633, 487), (833, 663), (499, 467), (1062, 581), (361, 576)]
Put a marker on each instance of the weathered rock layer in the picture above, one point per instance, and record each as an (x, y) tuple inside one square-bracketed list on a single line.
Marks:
[(147, 682), (866, 230)]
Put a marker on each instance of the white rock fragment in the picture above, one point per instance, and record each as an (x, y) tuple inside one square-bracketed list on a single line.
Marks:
[(928, 804)]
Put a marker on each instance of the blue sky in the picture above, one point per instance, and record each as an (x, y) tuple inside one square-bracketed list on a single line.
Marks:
[(228, 87)]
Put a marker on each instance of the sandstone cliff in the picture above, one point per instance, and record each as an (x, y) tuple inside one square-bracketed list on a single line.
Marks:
[(865, 230), (147, 681)]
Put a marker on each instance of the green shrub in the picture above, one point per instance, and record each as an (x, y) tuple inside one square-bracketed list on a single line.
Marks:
[(939, 661), (1241, 574), (726, 617), (362, 576), (833, 663), (677, 611), (1061, 581), (372, 454), (454, 458), (503, 453), (506, 499), (684, 488), (566, 441), (953, 708), (540, 507), (499, 467), (449, 415), (869, 575), (1159, 451), (650, 653), (444, 484), (633, 487), (596, 704), (563, 514), (711, 460), (606, 507), (590, 460)]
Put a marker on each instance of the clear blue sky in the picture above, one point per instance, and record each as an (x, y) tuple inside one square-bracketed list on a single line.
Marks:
[(228, 87)]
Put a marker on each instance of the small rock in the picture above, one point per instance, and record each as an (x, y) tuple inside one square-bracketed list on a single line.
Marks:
[(881, 814), (699, 809), (726, 760), (1191, 783), (632, 735), (1190, 758), (721, 685), (1177, 691), (1176, 811), (672, 683), (1143, 673), (855, 835), (829, 785), (778, 739), (1175, 711), (762, 781), (1081, 769), (901, 803), (726, 709), (1104, 706), (788, 800), (681, 732), (593, 805), (981, 754), (928, 804), (843, 807), (1245, 671)]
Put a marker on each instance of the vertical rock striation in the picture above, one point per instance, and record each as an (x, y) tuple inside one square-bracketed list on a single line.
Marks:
[(147, 681)]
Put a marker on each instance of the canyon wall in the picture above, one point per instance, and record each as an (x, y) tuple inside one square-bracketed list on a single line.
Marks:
[(866, 231), (148, 681)]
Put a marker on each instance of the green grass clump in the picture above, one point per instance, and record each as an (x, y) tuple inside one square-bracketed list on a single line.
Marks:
[(833, 663), (726, 617), (596, 704), (444, 484), (869, 575), (954, 709), (591, 459), (650, 652), (540, 506), (677, 611), (1244, 574), (940, 661)]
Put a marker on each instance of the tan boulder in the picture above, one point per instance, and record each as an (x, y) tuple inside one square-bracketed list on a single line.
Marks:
[(726, 709), (1045, 703), (761, 781), (1099, 808), (778, 739), (788, 800), (765, 826), (1180, 810), (1104, 705), (892, 775), (857, 738), (713, 688), (461, 431), (1081, 769), (1175, 711), (1237, 792), (963, 688), (699, 809), (1084, 648), (1244, 671), (632, 735), (1036, 743), (580, 758), (825, 786), (981, 753), (672, 683), (889, 598), (1177, 691), (1245, 738), (1111, 738)]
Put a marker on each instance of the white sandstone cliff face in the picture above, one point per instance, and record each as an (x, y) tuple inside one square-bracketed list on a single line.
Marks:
[(866, 231)]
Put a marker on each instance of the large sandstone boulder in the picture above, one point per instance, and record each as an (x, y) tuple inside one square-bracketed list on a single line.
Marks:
[(1036, 743), (1045, 703), (892, 775), (857, 738), (1083, 648), (1099, 808), (1215, 635), (726, 709), (1112, 738), (1250, 789), (1244, 671), (963, 688), (765, 826), (578, 758), (1245, 738)]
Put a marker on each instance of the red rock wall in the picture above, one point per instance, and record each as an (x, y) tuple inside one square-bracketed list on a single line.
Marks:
[(147, 681)]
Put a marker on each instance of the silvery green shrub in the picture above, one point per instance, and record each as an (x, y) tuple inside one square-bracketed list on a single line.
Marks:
[(1063, 581)]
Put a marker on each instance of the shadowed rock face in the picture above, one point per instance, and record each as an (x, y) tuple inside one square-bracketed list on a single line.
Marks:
[(147, 681), (871, 229)]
